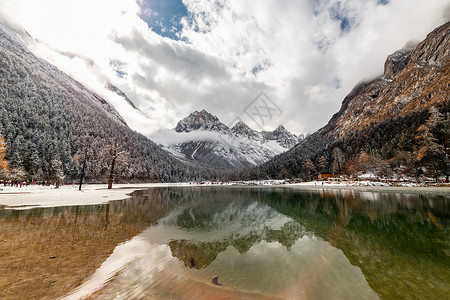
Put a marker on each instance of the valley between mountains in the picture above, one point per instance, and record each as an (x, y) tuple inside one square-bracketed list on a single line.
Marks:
[(394, 126)]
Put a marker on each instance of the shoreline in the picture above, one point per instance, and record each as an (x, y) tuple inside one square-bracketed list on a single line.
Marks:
[(444, 191), (29, 197)]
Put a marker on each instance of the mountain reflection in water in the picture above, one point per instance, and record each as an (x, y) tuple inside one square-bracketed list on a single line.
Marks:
[(262, 242), (284, 243)]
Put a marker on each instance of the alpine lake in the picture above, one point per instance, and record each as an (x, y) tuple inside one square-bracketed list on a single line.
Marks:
[(231, 243)]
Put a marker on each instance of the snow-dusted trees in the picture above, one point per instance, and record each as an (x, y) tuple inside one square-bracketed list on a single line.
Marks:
[(432, 151), (338, 160), (116, 156), (55, 173), (323, 164), (309, 168), (46, 115), (284, 174), (428, 140), (415, 146), (82, 158), (17, 174)]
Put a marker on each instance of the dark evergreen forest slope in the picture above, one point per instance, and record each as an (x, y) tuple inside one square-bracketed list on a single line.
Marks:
[(50, 123)]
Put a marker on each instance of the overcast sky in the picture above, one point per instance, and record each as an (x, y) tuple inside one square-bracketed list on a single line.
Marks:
[(172, 57)]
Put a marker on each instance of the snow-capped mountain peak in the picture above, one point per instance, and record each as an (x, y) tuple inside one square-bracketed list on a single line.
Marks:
[(202, 137), (282, 136), (242, 129), (202, 120)]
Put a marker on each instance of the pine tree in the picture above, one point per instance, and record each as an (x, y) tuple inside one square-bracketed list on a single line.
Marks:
[(323, 164), (18, 174), (367, 163), (56, 174), (338, 160), (431, 152), (309, 167), (81, 159), (283, 173)]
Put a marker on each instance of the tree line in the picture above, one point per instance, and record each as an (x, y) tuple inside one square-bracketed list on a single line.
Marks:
[(416, 146), (56, 130)]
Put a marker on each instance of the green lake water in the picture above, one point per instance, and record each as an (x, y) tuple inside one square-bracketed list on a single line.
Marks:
[(266, 243)]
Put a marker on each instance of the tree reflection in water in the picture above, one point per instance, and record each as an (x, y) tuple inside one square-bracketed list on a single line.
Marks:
[(399, 241), (261, 241)]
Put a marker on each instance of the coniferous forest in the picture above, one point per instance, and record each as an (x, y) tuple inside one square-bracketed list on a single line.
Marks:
[(54, 129)]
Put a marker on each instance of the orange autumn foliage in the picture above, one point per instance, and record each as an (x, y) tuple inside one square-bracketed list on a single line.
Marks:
[(3, 161)]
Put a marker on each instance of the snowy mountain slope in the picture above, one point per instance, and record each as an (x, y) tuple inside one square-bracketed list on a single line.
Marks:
[(48, 119), (13, 42), (283, 137), (202, 137)]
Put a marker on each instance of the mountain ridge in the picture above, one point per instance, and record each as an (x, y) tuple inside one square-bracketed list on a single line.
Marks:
[(209, 141), (50, 122), (405, 96)]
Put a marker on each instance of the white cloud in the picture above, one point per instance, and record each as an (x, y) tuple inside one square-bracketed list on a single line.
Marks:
[(295, 51), (168, 137), (302, 48)]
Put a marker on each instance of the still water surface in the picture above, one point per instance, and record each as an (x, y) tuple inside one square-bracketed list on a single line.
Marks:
[(262, 243)]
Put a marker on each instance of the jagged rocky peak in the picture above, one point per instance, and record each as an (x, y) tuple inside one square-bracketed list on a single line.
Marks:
[(281, 128), (398, 60), (435, 49), (202, 120), (240, 128), (226, 148), (282, 136)]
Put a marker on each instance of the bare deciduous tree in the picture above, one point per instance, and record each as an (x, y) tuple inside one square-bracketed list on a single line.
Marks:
[(82, 157), (115, 155)]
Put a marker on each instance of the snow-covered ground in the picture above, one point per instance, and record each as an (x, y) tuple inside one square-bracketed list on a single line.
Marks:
[(48, 196)]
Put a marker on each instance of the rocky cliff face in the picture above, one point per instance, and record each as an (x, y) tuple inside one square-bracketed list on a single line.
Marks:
[(410, 83), (414, 81), (434, 50), (119, 92), (202, 120), (396, 62), (282, 136), (242, 129)]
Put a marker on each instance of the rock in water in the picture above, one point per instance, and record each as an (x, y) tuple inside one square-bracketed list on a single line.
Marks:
[(192, 263)]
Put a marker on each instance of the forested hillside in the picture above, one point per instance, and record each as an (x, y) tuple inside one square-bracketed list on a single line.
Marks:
[(54, 128), (398, 123)]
